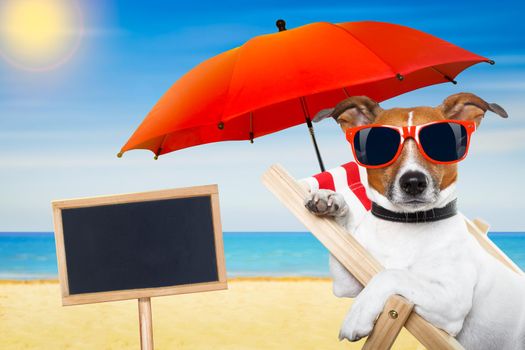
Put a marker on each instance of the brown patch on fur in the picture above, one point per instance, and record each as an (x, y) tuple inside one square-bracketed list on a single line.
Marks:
[(345, 121), (450, 175), (356, 110), (361, 110), (399, 116), (381, 179), (467, 106), (375, 179)]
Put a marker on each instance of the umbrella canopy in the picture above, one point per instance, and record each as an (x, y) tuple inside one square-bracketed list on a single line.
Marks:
[(279, 80)]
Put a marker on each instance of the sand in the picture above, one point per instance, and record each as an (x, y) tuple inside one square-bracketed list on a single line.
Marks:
[(288, 313)]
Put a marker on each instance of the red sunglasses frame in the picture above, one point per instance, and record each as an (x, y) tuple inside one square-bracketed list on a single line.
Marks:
[(410, 132)]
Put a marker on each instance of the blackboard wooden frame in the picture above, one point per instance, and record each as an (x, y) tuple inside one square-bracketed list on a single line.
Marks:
[(87, 298)]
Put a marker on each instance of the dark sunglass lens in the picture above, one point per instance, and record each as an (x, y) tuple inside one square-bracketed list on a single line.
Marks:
[(444, 142), (376, 145)]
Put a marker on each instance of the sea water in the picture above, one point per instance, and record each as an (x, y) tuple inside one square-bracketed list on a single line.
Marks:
[(31, 255)]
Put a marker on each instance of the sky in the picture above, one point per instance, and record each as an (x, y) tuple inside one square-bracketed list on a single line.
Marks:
[(62, 125)]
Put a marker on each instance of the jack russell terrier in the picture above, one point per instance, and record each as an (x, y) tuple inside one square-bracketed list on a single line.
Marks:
[(414, 229)]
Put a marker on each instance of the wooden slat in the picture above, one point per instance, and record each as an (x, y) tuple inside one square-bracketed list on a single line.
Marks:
[(100, 297), (482, 225), (389, 324), (61, 253), (219, 243), (490, 247), (348, 251), (185, 192)]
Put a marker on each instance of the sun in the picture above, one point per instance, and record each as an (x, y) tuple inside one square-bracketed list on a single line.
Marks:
[(39, 34)]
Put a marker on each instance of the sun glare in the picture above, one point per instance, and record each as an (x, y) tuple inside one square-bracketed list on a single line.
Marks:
[(38, 34)]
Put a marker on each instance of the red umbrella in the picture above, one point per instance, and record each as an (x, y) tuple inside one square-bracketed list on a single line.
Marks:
[(279, 80)]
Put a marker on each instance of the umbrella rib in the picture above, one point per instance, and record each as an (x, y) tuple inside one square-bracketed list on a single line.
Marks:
[(251, 127), (227, 104), (445, 75), (394, 71), (160, 147)]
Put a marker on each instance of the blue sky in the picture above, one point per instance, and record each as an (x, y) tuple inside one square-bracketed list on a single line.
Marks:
[(60, 129)]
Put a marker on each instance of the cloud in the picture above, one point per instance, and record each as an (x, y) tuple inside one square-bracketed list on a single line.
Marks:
[(494, 142), (36, 173), (98, 150)]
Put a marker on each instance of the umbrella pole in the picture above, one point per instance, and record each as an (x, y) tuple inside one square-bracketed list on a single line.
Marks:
[(312, 134), (314, 141), (281, 25)]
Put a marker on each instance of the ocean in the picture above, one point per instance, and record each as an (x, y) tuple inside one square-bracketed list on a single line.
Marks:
[(31, 255)]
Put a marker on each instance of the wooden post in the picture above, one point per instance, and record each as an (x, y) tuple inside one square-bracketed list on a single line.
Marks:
[(146, 324)]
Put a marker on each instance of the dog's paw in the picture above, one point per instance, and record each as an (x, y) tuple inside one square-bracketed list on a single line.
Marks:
[(360, 320), (326, 203), (357, 324)]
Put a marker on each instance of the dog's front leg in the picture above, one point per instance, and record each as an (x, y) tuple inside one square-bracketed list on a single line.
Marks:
[(344, 284), (445, 302), (333, 204)]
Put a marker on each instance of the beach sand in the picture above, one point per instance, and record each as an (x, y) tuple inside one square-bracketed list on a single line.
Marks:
[(254, 313)]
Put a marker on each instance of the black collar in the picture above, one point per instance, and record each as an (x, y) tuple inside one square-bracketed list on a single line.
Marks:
[(418, 216)]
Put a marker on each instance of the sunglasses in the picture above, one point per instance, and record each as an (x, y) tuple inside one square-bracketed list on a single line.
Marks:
[(442, 142)]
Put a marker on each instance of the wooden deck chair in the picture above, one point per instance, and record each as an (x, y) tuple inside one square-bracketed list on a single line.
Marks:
[(398, 312)]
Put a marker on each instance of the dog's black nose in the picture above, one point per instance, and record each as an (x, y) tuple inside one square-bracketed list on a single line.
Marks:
[(413, 182)]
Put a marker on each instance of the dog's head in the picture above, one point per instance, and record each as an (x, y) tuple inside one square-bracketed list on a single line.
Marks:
[(411, 182)]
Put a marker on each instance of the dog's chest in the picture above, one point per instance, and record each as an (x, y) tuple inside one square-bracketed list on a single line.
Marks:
[(400, 245)]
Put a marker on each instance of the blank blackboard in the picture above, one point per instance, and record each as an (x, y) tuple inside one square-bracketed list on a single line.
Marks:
[(139, 244)]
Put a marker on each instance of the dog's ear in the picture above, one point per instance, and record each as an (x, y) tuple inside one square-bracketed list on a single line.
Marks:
[(353, 111), (467, 106), (323, 114)]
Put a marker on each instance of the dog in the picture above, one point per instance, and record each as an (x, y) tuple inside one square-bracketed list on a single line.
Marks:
[(429, 258)]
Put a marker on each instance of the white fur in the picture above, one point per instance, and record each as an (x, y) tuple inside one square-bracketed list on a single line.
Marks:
[(411, 164), (453, 282)]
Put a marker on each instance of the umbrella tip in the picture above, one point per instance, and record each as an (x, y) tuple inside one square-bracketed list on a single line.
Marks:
[(119, 155), (156, 157), (281, 24), (491, 62)]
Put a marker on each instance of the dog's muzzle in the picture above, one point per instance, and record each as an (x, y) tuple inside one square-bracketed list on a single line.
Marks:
[(413, 183)]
